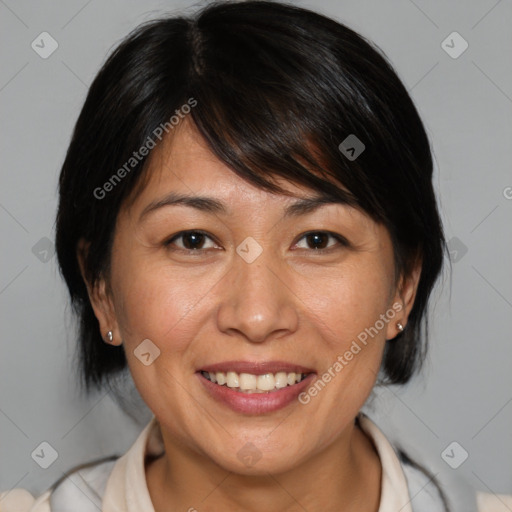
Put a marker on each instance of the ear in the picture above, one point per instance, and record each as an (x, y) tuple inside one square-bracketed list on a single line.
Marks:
[(403, 300), (100, 298)]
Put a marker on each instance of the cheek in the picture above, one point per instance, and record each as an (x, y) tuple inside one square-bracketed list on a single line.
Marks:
[(350, 300), (348, 309), (155, 304)]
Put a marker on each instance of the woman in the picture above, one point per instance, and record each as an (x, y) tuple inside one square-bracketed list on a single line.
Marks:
[(247, 224)]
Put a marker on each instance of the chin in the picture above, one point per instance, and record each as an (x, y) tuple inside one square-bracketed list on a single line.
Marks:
[(256, 468), (251, 459)]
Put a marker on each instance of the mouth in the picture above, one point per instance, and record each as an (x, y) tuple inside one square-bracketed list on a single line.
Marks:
[(255, 388)]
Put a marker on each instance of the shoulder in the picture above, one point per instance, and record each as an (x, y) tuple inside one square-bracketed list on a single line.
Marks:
[(488, 502), (428, 494), (20, 500), (83, 489), (80, 491), (425, 492), (432, 488)]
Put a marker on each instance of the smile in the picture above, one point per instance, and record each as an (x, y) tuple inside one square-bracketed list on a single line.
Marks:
[(255, 388), (251, 383)]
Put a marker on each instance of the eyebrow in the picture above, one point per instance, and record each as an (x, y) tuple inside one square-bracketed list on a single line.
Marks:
[(211, 205)]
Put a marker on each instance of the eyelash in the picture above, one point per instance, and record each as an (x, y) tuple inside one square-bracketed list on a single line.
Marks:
[(340, 239)]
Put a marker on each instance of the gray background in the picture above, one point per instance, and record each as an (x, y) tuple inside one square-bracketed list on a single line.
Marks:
[(465, 392)]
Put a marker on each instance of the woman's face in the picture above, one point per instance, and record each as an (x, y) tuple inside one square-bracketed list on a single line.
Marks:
[(252, 293)]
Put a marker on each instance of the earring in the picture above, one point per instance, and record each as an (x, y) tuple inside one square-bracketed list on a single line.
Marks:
[(399, 326), (110, 337)]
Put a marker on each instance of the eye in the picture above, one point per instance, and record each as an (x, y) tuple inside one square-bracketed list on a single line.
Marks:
[(319, 241), (191, 241)]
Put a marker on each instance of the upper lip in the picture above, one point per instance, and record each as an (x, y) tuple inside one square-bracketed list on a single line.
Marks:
[(255, 368)]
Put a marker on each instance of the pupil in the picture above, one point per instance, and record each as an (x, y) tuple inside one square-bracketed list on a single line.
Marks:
[(318, 239), (195, 238)]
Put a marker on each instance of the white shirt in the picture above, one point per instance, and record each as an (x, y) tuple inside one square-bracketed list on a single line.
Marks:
[(120, 485)]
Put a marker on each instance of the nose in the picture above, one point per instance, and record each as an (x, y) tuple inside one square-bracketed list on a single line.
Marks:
[(257, 303)]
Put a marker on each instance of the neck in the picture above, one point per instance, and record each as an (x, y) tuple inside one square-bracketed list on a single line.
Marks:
[(345, 475)]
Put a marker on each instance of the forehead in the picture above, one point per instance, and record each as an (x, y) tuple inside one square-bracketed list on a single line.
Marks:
[(184, 162)]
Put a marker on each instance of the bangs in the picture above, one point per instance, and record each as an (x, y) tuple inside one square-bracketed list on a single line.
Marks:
[(275, 143), (260, 112)]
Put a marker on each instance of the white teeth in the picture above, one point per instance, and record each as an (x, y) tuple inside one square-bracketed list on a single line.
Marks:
[(249, 383), (281, 380), (266, 382), (232, 380)]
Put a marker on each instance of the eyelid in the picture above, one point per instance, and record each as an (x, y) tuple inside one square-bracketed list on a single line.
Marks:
[(168, 241), (339, 238)]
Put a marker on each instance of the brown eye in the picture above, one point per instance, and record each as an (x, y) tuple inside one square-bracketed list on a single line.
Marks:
[(190, 241), (317, 240), (322, 240), (193, 240)]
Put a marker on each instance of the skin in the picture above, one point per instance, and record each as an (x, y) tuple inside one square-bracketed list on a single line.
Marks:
[(293, 303)]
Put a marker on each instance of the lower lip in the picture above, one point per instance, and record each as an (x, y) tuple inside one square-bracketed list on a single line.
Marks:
[(256, 403)]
